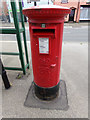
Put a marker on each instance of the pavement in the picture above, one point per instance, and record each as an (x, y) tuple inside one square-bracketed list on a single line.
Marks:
[(74, 71), (4, 24), (72, 32)]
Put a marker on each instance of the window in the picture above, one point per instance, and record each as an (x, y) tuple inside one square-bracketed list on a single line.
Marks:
[(84, 13), (88, 2), (29, 1), (64, 1)]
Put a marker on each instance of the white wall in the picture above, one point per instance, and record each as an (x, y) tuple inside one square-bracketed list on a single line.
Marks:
[(27, 5)]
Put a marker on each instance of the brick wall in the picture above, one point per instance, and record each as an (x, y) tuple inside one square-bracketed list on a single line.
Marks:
[(5, 9), (70, 4)]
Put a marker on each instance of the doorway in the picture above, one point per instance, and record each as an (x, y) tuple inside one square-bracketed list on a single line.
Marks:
[(71, 15)]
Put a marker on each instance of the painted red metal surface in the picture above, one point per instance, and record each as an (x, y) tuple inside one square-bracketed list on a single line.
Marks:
[(46, 67)]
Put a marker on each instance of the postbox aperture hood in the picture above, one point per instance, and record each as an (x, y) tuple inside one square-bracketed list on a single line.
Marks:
[(52, 13)]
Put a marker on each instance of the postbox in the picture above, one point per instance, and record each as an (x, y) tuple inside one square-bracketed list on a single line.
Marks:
[(46, 32)]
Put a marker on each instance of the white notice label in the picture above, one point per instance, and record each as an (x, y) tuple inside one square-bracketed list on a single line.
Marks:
[(44, 45)]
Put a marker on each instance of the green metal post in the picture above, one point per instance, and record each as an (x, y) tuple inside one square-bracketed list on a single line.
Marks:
[(16, 22), (24, 34)]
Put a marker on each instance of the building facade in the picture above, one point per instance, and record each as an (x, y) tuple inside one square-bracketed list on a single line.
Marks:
[(79, 9), (4, 13)]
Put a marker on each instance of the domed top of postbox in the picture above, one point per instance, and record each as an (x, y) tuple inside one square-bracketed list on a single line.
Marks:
[(46, 13)]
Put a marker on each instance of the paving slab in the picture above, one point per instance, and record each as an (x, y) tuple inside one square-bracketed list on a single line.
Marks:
[(58, 103)]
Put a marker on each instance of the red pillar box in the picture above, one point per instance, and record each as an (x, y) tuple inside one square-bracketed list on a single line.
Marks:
[(46, 32)]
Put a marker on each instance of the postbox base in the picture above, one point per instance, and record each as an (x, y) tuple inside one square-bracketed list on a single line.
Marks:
[(46, 93), (59, 103)]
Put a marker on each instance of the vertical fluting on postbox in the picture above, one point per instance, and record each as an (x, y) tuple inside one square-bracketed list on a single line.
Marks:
[(46, 31)]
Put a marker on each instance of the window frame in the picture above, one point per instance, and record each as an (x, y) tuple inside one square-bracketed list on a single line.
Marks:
[(64, 2)]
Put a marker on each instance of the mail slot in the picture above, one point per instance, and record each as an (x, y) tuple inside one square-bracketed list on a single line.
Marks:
[(46, 32)]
